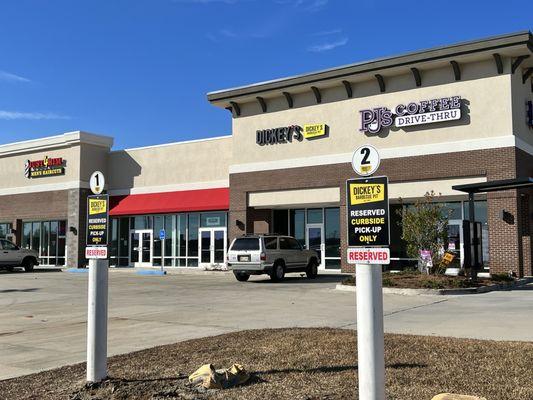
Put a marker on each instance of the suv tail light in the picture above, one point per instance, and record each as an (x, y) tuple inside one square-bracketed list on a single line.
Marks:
[(263, 257)]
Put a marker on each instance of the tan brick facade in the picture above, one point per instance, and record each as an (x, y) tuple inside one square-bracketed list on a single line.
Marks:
[(510, 244)]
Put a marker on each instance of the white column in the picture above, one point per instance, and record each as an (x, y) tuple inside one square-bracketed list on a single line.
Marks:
[(370, 344), (97, 321)]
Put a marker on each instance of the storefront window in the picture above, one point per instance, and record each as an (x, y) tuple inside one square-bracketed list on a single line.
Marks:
[(453, 210), (159, 221), (332, 232), (281, 222), (4, 230), (181, 244), (298, 225), (213, 219), (314, 216), (194, 220), (170, 237), (47, 238), (142, 222), (113, 242)]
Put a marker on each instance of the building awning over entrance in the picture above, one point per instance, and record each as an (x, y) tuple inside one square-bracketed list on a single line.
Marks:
[(170, 202)]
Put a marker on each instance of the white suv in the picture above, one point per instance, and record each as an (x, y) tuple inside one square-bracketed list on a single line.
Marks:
[(12, 256), (274, 255)]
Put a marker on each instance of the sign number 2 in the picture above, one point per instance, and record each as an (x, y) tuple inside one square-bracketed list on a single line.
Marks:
[(365, 160), (365, 151)]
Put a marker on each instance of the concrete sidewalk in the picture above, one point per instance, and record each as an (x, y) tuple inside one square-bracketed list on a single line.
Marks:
[(43, 314)]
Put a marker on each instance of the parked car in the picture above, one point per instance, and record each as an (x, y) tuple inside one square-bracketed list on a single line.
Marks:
[(274, 255), (12, 256)]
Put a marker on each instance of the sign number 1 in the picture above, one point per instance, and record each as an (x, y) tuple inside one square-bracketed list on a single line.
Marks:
[(97, 182)]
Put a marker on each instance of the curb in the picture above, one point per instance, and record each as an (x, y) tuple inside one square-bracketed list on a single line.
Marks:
[(76, 270), (443, 292), (157, 272)]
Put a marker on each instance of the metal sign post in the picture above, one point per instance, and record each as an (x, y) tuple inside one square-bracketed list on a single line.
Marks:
[(97, 321), (367, 207), (96, 252)]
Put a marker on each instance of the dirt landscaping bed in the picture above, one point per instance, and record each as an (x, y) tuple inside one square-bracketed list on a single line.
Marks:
[(297, 364), (416, 280)]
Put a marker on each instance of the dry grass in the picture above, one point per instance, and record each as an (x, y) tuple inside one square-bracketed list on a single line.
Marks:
[(299, 364)]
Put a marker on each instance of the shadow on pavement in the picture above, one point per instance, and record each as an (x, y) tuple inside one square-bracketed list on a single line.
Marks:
[(19, 290), (301, 278), (35, 271)]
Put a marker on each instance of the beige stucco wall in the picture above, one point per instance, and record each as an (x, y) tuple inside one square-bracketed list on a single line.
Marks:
[(521, 92), (166, 167), (488, 114), (12, 168)]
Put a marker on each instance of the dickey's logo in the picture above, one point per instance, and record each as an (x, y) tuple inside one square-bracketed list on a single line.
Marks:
[(97, 206), (361, 193)]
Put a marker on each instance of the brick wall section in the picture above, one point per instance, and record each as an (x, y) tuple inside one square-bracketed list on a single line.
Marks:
[(38, 206), (525, 169), (69, 205), (493, 163)]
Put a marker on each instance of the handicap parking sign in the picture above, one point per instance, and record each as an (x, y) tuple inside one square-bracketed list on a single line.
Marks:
[(162, 234)]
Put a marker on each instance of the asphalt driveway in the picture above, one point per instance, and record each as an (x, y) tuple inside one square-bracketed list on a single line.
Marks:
[(43, 314)]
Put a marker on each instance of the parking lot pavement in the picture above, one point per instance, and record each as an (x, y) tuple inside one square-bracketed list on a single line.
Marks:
[(43, 314)]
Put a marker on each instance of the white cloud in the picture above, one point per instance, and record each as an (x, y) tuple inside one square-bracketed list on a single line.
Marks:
[(6, 76), (317, 48), (207, 1), (327, 33), (10, 115)]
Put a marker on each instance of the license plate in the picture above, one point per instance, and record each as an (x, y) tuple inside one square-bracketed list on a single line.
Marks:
[(244, 258)]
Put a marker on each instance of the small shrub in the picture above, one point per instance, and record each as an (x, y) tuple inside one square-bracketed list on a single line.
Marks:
[(501, 278)]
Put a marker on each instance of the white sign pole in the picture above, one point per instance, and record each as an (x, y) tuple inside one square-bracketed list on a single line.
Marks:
[(370, 342), (97, 321)]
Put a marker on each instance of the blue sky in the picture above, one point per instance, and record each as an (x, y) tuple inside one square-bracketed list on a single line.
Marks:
[(139, 70)]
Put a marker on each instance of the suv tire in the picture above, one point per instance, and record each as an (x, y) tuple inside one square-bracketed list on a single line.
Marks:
[(28, 265), (278, 272), (241, 277), (312, 269)]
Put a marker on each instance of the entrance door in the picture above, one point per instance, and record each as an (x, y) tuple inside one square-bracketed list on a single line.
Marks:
[(315, 240), (455, 242), (212, 246), (141, 247)]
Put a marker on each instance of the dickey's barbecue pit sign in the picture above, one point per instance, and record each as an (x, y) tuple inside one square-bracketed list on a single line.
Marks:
[(45, 167), (368, 212), (97, 220), (288, 134), (423, 112)]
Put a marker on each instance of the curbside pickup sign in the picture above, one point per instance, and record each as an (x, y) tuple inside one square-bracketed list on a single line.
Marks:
[(367, 204), (97, 220)]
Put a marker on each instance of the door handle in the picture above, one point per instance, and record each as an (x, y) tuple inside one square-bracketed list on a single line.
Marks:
[(6, 252)]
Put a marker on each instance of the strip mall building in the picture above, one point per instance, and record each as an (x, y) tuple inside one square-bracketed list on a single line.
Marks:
[(441, 117)]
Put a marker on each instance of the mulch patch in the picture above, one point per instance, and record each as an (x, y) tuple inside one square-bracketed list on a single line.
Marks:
[(414, 280), (297, 364)]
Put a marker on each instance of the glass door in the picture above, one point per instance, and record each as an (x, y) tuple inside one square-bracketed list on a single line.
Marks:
[(141, 248), (315, 240), (455, 242), (212, 246)]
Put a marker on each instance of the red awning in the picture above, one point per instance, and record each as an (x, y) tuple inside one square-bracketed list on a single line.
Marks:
[(170, 202)]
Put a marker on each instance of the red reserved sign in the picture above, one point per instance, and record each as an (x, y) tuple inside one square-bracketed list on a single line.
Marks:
[(368, 256), (96, 252)]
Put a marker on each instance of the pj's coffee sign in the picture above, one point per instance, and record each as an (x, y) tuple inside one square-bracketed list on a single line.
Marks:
[(45, 167), (423, 112), (288, 134)]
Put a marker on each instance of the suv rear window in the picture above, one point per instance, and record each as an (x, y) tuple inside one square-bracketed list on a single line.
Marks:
[(271, 242), (246, 244)]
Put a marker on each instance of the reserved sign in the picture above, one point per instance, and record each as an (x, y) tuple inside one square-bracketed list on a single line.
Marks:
[(368, 256)]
